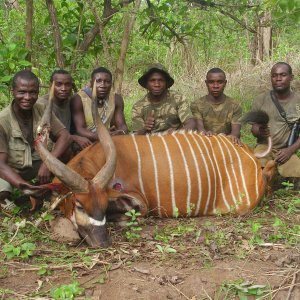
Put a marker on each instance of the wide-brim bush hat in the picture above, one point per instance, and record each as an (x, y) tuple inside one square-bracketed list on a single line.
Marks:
[(152, 69)]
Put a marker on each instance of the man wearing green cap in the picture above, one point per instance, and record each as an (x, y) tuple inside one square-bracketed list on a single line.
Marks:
[(160, 109)]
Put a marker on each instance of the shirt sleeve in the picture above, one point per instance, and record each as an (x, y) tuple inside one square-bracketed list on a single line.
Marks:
[(137, 118), (196, 110), (3, 141), (184, 109), (237, 114)]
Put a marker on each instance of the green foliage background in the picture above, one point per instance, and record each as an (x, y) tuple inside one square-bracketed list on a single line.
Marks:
[(189, 37)]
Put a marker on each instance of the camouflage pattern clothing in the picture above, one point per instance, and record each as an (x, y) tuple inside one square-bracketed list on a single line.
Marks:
[(217, 118), (171, 112)]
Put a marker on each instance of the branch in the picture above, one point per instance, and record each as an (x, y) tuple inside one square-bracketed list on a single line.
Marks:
[(203, 3)]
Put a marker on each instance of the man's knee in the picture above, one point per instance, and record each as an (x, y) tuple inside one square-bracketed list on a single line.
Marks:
[(291, 168)]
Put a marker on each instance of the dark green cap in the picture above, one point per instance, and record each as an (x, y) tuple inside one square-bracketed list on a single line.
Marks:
[(152, 69)]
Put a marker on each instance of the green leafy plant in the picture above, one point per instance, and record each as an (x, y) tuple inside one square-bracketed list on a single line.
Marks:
[(242, 289), (165, 249), (133, 225), (23, 251), (69, 291)]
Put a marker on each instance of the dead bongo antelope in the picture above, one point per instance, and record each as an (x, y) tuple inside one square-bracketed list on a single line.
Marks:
[(184, 173)]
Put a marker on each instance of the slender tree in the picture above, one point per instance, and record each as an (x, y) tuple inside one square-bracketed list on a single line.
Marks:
[(56, 34), (29, 17), (129, 20)]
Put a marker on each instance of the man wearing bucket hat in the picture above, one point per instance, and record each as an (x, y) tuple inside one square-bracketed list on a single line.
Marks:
[(160, 109)]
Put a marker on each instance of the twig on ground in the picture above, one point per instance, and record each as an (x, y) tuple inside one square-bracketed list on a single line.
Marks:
[(292, 286), (178, 290), (57, 201)]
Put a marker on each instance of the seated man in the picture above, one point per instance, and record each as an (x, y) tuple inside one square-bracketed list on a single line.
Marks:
[(19, 162), (160, 109), (110, 107), (61, 104), (217, 113), (280, 126)]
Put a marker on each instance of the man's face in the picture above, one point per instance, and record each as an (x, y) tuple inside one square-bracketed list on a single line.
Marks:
[(215, 83), (280, 78), (103, 84), (25, 93), (62, 86), (156, 84)]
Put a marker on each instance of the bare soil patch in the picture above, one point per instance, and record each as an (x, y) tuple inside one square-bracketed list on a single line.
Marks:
[(203, 258)]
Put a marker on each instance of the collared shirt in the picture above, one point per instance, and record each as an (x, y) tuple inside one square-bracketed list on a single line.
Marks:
[(12, 141), (171, 112), (217, 118)]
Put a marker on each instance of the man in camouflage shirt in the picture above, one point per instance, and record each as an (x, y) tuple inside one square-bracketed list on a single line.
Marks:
[(217, 113), (160, 109)]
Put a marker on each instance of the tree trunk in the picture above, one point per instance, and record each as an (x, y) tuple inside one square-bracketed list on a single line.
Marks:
[(56, 34), (100, 25), (29, 16), (129, 20), (261, 47)]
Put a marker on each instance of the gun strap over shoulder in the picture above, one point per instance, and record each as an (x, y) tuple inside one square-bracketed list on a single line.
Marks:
[(279, 108)]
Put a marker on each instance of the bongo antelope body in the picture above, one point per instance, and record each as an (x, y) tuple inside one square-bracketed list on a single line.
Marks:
[(184, 173)]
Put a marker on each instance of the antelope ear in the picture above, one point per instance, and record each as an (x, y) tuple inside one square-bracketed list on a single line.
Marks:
[(122, 202), (269, 171)]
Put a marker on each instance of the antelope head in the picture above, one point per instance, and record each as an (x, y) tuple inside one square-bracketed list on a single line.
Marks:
[(89, 198)]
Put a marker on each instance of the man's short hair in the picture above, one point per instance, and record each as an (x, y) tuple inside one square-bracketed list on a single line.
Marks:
[(101, 70), (290, 70), (27, 75), (214, 71), (59, 71)]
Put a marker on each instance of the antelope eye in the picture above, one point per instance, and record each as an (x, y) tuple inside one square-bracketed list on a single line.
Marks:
[(79, 206)]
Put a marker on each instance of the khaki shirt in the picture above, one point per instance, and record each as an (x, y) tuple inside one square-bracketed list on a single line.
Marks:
[(279, 129), (217, 118), (62, 112), (20, 152), (106, 112), (170, 112)]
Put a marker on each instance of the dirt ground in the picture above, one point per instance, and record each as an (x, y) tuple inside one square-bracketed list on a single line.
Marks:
[(203, 258)]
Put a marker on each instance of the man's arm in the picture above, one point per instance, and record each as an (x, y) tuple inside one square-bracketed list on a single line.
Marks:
[(190, 124), (9, 174), (285, 154), (119, 124), (63, 141), (79, 119), (139, 126)]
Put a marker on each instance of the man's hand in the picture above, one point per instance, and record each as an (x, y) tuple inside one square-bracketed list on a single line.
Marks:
[(235, 140), (284, 155), (259, 130), (207, 133), (150, 122), (44, 175), (113, 131), (81, 141)]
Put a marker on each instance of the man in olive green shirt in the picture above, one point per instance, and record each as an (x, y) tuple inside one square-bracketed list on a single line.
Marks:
[(217, 113), (288, 161), (160, 109), (19, 162)]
